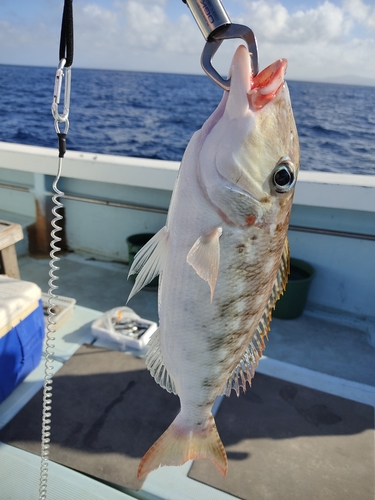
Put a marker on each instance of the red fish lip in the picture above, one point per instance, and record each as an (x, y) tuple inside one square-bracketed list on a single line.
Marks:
[(266, 85)]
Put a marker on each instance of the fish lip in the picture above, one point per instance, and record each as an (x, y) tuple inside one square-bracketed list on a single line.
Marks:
[(251, 93), (267, 84)]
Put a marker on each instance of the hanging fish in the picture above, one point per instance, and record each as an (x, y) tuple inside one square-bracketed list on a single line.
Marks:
[(223, 258)]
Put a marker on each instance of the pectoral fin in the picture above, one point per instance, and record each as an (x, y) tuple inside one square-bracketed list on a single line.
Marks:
[(204, 257), (149, 261)]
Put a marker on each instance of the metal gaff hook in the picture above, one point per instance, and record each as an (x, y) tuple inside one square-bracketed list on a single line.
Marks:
[(63, 117), (216, 26), (211, 47)]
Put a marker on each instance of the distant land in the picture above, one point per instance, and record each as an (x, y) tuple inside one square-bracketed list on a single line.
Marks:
[(351, 80), (343, 79)]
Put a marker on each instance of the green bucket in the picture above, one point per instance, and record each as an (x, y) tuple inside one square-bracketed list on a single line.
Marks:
[(135, 243), (292, 303)]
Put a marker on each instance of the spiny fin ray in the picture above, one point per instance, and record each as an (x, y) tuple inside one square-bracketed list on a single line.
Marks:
[(149, 261), (155, 364)]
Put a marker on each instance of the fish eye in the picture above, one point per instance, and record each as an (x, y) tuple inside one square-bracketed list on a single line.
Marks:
[(283, 178)]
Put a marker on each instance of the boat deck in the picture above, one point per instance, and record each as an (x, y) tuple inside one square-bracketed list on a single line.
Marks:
[(316, 373), (323, 344)]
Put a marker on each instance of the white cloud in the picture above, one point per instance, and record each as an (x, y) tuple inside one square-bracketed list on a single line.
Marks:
[(145, 24), (135, 34), (96, 34), (20, 44), (360, 12), (325, 23), (148, 27), (320, 41)]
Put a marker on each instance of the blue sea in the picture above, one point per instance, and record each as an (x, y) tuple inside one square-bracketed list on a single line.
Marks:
[(154, 115)]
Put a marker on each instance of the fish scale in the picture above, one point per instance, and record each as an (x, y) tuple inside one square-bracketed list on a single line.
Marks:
[(223, 258)]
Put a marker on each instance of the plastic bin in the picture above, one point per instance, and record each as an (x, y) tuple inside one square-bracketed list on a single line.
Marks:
[(124, 327), (21, 332), (292, 303), (64, 307)]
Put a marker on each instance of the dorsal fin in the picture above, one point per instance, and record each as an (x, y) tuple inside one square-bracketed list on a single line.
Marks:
[(244, 371), (155, 364), (149, 261)]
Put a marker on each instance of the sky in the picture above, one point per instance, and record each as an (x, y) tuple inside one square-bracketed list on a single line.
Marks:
[(323, 40)]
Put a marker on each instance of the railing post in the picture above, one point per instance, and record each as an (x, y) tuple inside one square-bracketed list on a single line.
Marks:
[(39, 232)]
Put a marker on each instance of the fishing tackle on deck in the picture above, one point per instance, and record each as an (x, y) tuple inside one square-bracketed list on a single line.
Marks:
[(216, 26)]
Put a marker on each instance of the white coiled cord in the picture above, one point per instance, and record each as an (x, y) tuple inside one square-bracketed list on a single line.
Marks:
[(63, 69), (48, 367)]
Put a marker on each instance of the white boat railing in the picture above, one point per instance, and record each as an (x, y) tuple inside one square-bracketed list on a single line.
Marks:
[(332, 221)]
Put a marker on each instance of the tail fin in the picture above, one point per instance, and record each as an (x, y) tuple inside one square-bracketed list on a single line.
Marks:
[(178, 445)]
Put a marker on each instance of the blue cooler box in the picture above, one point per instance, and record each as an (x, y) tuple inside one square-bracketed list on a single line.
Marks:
[(21, 332)]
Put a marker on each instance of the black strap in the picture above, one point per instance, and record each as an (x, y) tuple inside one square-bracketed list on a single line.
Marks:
[(62, 144), (66, 38)]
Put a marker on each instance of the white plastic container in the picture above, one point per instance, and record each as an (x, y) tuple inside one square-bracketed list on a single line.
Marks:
[(63, 309), (21, 332), (124, 327)]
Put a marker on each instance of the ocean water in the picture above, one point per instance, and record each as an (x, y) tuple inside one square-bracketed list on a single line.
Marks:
[(154, 115)]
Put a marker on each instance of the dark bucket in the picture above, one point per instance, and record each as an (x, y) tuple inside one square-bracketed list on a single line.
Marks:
[(135, 243), (292, 303)]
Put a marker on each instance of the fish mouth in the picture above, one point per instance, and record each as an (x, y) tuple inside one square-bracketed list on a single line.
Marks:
[(248, 92), (266, 85)]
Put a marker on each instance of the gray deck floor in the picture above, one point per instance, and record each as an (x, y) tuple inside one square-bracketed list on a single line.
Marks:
[(306, 358), (309, 341)]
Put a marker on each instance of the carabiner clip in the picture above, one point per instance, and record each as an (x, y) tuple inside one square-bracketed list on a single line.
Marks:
[(61, 118), (214, 42)]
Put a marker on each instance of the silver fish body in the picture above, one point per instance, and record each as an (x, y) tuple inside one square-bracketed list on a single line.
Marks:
[(223, 258)]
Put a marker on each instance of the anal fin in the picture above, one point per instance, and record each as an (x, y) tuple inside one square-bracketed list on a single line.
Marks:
[(155, 364)]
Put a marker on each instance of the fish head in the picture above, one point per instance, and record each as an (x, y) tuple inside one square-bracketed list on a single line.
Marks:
[(249, 156)]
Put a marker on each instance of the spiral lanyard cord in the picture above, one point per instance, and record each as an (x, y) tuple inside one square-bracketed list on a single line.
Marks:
[(63, 70)]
